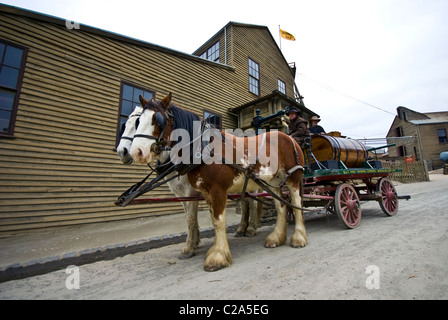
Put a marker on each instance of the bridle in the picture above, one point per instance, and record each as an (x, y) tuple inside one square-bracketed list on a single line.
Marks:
[(160, 144), (131, 138)]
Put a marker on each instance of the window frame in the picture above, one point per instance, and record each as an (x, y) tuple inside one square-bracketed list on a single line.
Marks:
[(401, 151), (399, 131), (253, 78), (442, 137), (120, 108), (208, 54), (18, 89), (281, 86), (216, 115)]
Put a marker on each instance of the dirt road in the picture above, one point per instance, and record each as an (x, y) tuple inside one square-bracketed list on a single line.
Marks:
[(401, 257)]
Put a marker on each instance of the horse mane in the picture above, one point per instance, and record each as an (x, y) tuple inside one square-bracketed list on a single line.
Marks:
[(183, 119)]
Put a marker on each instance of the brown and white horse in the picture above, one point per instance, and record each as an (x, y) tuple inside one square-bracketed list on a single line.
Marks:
[(215, 179), (181, 187)]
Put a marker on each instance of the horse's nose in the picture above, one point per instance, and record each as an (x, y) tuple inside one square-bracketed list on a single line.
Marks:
[(125, 152), (139, 156), (139, 153)]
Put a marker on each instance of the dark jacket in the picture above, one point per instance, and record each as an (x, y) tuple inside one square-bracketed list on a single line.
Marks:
[(298, 129), (317, 129)]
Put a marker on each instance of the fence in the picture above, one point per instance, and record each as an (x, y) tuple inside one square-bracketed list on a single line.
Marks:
[(411, 172)]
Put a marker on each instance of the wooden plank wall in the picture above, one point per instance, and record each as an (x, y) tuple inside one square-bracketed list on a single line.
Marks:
[(432, 148), (61, 167), (254, 43), (429, 141)]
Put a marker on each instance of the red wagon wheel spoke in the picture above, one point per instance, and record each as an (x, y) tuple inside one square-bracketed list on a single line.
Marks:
[(347, 205), (389, 197)]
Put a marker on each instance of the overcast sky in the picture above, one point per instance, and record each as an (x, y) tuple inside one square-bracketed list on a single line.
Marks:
[(357, 60)]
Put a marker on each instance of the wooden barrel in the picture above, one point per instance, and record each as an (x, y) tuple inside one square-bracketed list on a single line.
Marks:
[(325, 147)]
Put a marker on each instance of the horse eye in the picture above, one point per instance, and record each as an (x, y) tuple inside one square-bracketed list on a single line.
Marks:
[(137, 122)]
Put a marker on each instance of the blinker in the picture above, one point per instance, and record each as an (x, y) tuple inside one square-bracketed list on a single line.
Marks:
[(160, 120)]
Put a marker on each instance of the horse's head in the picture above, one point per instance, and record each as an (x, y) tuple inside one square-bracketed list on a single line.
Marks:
[(153, 131), (127, 136)]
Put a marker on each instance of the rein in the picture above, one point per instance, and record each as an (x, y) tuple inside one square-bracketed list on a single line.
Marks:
[(249, 173), (160, 145), (140, 188)]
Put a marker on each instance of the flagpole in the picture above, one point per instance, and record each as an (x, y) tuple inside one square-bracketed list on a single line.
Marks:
[(280, 37)]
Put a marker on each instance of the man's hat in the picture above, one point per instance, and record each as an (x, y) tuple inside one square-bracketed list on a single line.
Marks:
[(314, 118), (293, 109)]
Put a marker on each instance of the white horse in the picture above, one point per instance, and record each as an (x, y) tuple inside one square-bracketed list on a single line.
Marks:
[(181, 187)]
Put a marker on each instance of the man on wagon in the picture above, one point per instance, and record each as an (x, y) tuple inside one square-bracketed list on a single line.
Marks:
[(315, 128), (298, 127)]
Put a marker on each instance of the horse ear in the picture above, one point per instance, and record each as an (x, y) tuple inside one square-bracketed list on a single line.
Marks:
[(143, 102), (166, 101)]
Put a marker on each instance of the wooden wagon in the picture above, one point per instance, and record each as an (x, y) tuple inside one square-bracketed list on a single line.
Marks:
[(338, 176)]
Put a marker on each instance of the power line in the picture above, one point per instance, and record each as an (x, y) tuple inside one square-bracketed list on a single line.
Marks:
[(344, 94)]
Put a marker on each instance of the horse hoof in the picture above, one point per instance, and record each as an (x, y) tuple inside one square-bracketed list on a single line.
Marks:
[(213, 268), (185, 256), (217, 260), (297, 245), (273, 242), (269, 244), (250, 232), (298, 241)]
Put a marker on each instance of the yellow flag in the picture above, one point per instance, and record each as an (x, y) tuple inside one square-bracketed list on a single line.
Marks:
[(287, 35)]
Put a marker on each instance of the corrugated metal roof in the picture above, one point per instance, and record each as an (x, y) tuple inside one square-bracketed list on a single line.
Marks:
[(429, 121), (433, 118)]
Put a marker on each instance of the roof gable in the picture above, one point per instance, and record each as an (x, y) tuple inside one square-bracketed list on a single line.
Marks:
[(220, 33), (418, 118), (432, 118)]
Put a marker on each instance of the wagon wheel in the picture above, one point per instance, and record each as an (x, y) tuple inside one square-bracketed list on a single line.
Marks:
[(389, 197), (347, 205)]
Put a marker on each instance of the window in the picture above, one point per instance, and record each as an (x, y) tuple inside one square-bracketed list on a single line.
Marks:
[(281, 86), (128, 101), (213, 118), (401, 151), (398, 131), (441, 133), (12, 67), (212, 53), (254, 77)]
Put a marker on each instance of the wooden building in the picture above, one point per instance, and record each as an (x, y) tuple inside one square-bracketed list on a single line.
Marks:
[(430, 132), (65, 90)]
